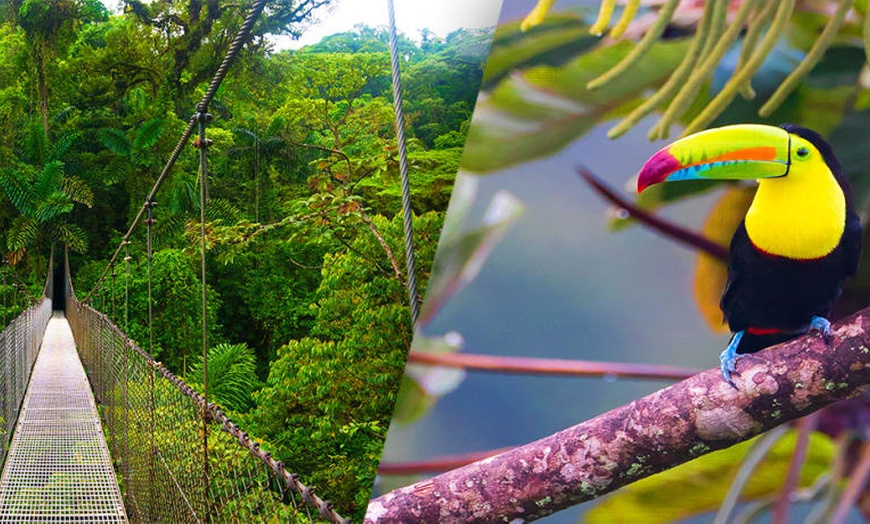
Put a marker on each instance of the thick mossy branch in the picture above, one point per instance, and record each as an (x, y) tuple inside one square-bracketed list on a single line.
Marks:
[(657, 432)]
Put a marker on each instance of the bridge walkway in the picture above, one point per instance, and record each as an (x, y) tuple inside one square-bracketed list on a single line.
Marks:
[(58, 468)]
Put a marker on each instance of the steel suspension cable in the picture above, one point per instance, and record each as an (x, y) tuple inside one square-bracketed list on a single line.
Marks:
[(403, 166), (203, 143), (233, 51)]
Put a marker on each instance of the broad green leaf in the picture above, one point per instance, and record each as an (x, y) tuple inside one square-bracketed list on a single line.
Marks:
[(559, 38), (537, 112), (461, 255), (699, 486), (711, 274), (422, 386)]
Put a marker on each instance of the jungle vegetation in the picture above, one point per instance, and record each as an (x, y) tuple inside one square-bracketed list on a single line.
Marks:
[(307, 311)]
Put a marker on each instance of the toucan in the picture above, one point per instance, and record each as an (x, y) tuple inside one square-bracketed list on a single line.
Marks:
[(799, 240)]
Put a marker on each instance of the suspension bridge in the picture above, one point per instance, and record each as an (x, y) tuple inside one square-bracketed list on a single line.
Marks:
[(94, 429), (89, 411)]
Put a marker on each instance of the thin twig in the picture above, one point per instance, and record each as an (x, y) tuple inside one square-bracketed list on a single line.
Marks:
[(855, 486), (750, 462), (396, 269), (805, 427), (812, 58), (605, 11), (740, 77), (691, 83), (750, 41), (671, 86), (640, 50), (437, 464), (668, 229), (628, 14), (550, 366)]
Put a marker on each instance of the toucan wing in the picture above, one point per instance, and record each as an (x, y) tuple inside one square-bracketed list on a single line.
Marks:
[(851, 244)]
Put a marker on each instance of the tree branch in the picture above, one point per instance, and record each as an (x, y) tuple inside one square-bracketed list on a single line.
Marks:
[(550, 366), (654, 433), (668, 229)]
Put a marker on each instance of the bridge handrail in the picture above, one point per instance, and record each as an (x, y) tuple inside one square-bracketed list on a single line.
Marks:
[(19, 346)]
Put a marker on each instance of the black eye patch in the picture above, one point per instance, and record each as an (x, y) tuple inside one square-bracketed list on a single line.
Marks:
[(802, 152)]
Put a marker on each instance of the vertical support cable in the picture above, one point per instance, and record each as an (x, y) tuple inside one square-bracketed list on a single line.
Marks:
[(113, 294), (202, 143), (403, 166), (151, 465), (127, 286), (149, 252)]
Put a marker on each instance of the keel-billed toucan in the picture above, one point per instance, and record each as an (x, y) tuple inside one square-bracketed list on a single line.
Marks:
[(799, 240)]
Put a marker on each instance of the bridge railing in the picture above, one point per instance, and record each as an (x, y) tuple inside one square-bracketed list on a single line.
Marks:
[(19, 346), (179, 459)]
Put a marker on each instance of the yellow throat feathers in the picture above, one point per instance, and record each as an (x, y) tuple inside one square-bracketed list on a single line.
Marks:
[(801, 215)]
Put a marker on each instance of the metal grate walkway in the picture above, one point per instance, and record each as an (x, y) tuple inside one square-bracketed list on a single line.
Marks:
[(58, 468)]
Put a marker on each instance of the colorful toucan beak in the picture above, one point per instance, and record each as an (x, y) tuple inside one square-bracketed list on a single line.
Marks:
[(738, 152)]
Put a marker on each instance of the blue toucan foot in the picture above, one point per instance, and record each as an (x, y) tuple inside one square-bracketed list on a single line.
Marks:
[(823, 326), (728, 358)]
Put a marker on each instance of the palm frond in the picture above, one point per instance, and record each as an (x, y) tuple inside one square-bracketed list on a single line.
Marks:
[(78, 190), (49, 180), (55, 205), (18, 186), (70, 234), (22, 234)]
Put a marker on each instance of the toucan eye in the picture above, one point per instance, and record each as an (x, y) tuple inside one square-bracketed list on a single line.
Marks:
[(803, 152)]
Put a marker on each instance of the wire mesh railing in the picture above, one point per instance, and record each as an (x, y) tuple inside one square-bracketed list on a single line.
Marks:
[(156, 426), (19, 345)]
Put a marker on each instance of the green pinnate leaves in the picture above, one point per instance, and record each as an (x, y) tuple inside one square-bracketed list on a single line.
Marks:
[(232, 376)]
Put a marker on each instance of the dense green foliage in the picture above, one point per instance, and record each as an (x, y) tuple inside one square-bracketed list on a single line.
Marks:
[(305, 271)]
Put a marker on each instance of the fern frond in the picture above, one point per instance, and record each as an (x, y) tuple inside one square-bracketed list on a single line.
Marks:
[(232, 375), (148, 134), (115, 141), (221, 211), (62, 144), (167, 230)]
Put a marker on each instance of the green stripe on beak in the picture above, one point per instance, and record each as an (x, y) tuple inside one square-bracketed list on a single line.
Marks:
[(738, 152)]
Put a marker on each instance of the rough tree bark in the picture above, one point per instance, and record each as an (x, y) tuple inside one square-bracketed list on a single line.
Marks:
[(657, 432)]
